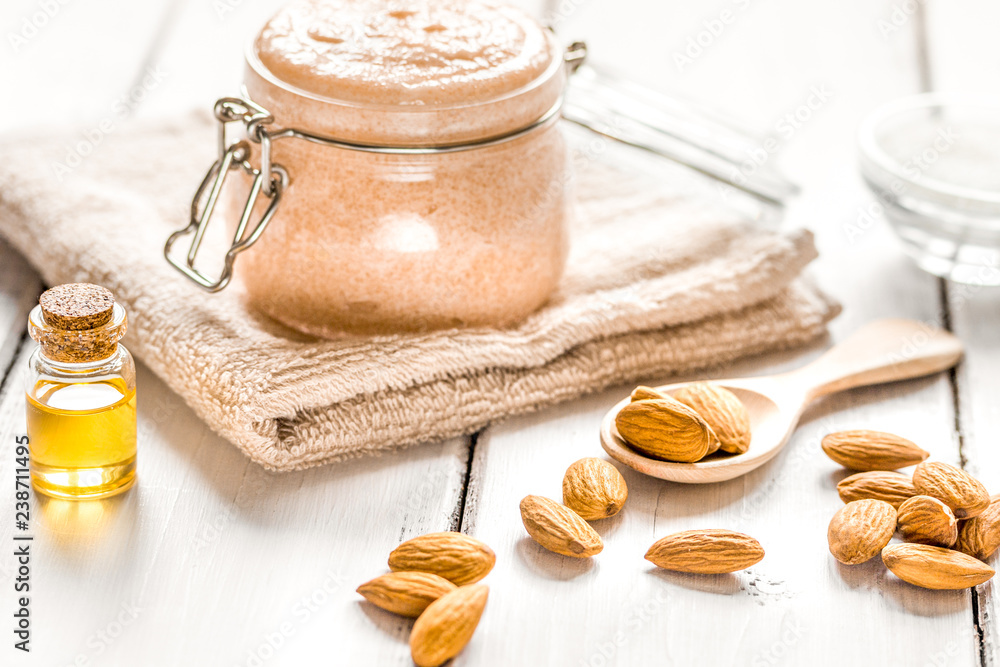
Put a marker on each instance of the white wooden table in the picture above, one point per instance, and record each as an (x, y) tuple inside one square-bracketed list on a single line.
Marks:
[(212, 561)]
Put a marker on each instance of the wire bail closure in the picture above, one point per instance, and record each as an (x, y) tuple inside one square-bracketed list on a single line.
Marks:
[(270, 180)]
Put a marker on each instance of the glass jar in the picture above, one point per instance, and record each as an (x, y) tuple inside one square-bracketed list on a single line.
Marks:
[(388, 209), (933, 163), (80, 395)]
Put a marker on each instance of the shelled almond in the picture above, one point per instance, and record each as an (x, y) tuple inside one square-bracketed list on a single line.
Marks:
[(710, 551), (594, 489), (447, 625), (942, 551), (892, 487), (724, 412), (872, 450), (935, 567), (558, 528), (963, 493), (696, 420), (860, 529), (405, 593), (980, 535), (927, 520), (432, 581)]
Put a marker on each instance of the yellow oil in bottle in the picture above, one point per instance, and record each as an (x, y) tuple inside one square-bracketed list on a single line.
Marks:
[(82, 437)]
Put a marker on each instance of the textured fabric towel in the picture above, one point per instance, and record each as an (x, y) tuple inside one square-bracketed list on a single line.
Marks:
[(656, 284)]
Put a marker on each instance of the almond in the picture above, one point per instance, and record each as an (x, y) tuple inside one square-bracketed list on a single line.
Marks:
[(458, 558), (447, 625), (872, 450), (665, 429), (927, 520), (963, 493), (722, 410), (980, 535), (892, 487), (405, 593), (935, 567), (646, 393), (594, 489), (558, 528), (641, 393), (860, 529), (710, 551)]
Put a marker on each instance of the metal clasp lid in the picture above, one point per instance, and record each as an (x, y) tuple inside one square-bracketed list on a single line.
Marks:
[(270, 180)]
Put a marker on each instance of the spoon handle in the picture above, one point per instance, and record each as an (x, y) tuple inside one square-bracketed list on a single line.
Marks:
[(882, 351)]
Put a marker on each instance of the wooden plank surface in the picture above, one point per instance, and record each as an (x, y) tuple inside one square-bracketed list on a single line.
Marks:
[(798, 606), (964, 56), (209, 557), (212, 559)]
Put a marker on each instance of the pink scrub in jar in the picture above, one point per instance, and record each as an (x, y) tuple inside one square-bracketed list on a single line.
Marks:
[(442, 201)]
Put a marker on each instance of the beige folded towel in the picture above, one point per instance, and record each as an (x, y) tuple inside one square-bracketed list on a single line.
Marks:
[(656, 283)]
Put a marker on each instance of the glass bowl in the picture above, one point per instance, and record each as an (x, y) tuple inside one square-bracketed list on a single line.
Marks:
[(933, 163)]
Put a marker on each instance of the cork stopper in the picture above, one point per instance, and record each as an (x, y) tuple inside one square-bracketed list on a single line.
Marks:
[(77, 306), (77, 323)]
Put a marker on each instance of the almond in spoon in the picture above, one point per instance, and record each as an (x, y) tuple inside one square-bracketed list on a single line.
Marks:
[(723, 411)]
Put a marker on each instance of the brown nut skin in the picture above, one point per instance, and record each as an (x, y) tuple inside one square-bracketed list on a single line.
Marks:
[(724, 412), (558, 528), (871, 450), (963, 493), (933, 567), (860, 529), (459, 558), (980, 536), (892, 487), (405, 593), (707, 551), (665, 429), (594, 489), (927, 520), (447, 625)]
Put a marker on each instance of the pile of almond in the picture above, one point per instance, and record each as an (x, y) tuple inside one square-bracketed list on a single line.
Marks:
[(594, 489), (433, 579), (697, 420), (946, 518)]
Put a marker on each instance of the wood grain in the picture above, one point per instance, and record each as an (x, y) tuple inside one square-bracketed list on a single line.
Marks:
[(798, 604), (212, 560)]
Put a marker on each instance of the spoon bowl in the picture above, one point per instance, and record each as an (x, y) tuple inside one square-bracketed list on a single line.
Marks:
[(883, 351)]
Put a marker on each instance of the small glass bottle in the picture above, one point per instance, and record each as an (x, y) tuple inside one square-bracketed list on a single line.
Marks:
[(80, 393)]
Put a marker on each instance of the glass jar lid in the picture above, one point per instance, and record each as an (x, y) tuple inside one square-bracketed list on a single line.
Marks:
[(404, 74)]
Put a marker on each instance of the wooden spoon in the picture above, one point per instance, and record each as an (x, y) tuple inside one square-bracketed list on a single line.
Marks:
[(883, 351)]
